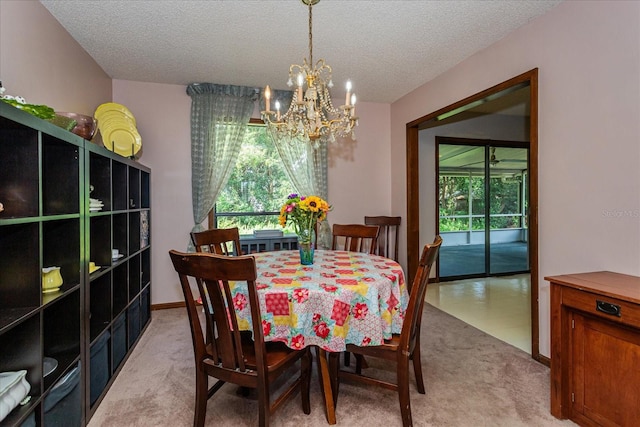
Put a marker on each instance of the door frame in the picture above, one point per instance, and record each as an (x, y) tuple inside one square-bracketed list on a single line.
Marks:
[(413, 190)]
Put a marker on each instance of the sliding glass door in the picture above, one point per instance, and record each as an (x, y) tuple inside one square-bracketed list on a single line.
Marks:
[(508, 207), (482, 209)]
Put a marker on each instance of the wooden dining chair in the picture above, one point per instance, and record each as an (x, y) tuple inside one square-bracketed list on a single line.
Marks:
[(388, 236), (222, 241), (355, 237), (401, 348), (228, 357)]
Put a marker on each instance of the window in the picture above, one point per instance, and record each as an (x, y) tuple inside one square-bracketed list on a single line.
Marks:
[(257, 188), (462, 201)]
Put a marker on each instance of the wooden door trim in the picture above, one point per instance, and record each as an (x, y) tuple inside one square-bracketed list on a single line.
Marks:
[(413, 194)]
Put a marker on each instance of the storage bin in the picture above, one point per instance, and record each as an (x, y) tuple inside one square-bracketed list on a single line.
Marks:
[(145, 307), (133, 316), (99, 366), (119, 340), (63, 404), (30, 421)]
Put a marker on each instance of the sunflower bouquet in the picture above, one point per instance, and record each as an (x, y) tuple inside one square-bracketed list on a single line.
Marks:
[(304, 213)]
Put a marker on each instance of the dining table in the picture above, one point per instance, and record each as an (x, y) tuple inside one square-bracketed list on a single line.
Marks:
[(342, 298)]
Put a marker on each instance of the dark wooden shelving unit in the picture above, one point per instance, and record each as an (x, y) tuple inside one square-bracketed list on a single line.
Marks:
[(93, 322)]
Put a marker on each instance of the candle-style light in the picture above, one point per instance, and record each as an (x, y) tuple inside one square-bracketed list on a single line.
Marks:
[(267, 97), (348, 97)]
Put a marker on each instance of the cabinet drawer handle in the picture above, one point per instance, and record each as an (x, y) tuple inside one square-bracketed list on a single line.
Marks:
[(608, 308)]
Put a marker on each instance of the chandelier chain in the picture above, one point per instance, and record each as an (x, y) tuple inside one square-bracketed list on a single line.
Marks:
[(310, 35)]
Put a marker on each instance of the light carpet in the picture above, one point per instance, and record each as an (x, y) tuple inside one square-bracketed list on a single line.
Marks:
[(472, 379)]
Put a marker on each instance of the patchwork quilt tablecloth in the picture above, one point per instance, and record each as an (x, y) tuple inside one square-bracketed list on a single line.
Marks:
[(343, 298)]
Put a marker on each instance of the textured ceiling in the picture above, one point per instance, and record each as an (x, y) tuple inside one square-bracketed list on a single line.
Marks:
[(386, 47)]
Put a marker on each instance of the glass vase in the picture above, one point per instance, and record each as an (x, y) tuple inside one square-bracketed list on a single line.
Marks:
[(306, 246)]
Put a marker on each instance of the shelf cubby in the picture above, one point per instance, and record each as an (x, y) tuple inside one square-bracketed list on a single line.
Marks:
[(120, 288), (146, 267), (120, 234), (19, 173), (100, 305), (20, 277), (134, 232), (145, 305), (61, 334), (134, 277), (99, 366), (145, 193), (60, 177), (21, 350), (145, 228), (134, 188), (100, 247), (63, 403), (133, 321), (119, 335), (119, 183), (61, 248), (100, 179)]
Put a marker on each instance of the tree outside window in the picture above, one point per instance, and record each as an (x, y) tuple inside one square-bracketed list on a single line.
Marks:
[(257, 188), (462, 201)]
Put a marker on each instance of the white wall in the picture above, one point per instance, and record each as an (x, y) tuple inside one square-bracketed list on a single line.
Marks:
[(588, 55)]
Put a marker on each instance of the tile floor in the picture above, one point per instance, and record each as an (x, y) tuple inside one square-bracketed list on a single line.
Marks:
[(499, 306)]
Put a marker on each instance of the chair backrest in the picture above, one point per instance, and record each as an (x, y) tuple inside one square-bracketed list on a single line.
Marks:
[(388, 236), (355, 237), (211, 273), (221, 241), (418, 290)]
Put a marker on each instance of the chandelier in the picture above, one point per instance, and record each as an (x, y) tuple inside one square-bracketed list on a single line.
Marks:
[(311, 115)]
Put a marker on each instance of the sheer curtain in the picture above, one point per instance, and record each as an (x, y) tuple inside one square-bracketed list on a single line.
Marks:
[(306, 166), (219, 117)]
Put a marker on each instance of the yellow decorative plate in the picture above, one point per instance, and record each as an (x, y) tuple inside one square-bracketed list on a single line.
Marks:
[(116, 124), (116, 115), (118, 129), (111, 107), (123, 141)]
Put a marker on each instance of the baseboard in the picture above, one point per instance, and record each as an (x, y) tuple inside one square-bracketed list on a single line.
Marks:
[(166, 305)]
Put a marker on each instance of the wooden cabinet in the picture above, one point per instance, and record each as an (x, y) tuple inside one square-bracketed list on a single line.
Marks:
[(595, 348), (46, 179)]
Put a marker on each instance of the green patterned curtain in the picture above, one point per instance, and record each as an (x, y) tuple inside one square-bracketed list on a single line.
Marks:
[(306, 166), (219, 117)]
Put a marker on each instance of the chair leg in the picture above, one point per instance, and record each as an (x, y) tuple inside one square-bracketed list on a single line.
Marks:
[(263, 405), (202, 385), (403, 392), (347, 358), (305, 385), (334, 367), (361, 363), (417, 369)]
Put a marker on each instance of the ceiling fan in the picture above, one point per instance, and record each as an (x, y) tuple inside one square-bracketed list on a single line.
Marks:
[(492, 160)]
